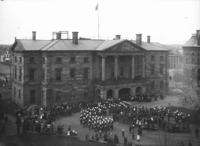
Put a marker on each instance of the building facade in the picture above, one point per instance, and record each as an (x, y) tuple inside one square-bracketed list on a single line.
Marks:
[(175, 60), (74, 70), (191, 51), (5, 53)]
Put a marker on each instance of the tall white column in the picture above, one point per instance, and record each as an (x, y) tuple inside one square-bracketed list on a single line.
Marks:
[(116, 67), (133, 68), (103, 65)]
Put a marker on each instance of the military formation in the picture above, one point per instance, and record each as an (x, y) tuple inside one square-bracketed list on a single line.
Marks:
[(95, 118)]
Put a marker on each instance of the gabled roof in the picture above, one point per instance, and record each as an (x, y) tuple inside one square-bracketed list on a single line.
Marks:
[(32, 45), (67, 45), (4, 48), (83, 45)]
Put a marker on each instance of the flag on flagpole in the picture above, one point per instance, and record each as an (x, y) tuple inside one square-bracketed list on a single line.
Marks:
[(97, 7)]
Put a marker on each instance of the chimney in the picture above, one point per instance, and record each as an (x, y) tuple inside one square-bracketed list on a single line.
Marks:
[(75, 38), (58, 35), (117, 37), (139, 39), (148, 39), (198, 37), (34, 35)]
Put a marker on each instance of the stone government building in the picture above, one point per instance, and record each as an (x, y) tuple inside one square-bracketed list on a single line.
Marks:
[(191, 51), (71, 70)]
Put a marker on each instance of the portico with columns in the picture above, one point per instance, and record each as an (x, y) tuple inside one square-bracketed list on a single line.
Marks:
[(117, 65), (121, 67)]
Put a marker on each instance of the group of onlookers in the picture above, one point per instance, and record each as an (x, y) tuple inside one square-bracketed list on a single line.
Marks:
[(141, 98)]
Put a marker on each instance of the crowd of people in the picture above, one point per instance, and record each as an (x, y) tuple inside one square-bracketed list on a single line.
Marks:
[(96, 118), (137, 116), (64, 109), (39, 120), (142, 98)]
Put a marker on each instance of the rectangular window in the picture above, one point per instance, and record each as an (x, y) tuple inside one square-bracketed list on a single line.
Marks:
[(85, 73), (58, 74), (161, 84), (72, 60), (32, 96), (15, 72), (19, 93), (20, 73), (32, 72), (86, 60), (161, 68), (58, 96), (161, 58), (58, 60), (15, 59), (152, 69), (72, 72), (20, 59), (85, 94), (14, 92), (152, 58), (31, 60), (152, 84)]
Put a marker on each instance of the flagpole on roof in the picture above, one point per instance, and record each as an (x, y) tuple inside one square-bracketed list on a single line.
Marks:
[(97, 9), (98, 24)]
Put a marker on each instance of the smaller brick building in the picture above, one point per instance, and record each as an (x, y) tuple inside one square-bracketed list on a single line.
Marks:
[(74, 70)]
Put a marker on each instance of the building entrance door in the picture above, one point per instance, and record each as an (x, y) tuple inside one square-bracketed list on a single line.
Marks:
[(138, 91), (110, 94), (124, 94)]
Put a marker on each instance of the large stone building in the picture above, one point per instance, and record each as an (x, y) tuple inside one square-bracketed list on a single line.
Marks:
[(191, 51), (71, 70)]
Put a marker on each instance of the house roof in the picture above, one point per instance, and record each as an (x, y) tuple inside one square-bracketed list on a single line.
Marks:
[(3, 48), (83, 45), (153, 46), (192, 41)]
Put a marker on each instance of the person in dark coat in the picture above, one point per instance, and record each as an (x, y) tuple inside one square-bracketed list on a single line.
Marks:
[(116, 139), (125, 141), (190, 143), (18, 122)]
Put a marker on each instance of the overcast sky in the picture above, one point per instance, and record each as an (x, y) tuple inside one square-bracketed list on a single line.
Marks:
[(167, 21)]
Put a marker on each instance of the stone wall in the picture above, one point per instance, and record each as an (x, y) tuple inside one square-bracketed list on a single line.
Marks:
[(68, 89)]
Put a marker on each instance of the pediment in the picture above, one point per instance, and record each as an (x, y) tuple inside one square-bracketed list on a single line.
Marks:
[(125, 46)]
